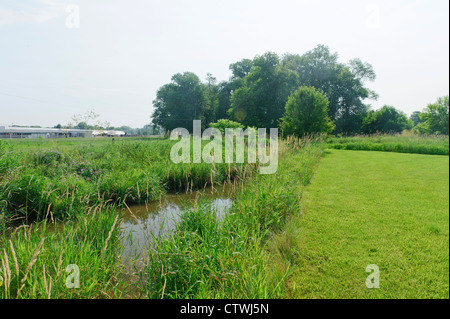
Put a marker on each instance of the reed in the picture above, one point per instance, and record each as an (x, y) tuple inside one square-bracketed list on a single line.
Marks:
[(211, 257), (59, 180), (34, 260), (71, 189)]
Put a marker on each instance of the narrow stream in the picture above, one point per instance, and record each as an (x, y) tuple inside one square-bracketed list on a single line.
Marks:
[(140, 222)]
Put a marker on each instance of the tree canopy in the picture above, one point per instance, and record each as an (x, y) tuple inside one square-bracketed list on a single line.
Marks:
[(257, 93), (435, 118), (343, 84), (180, 102), (386, 120), (261, 99)]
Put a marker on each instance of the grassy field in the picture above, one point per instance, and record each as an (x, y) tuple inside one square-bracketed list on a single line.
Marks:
[(362, 208), (74, 186), (401, 143), (205, 258), (229, 258), (365, 208), (62, 178)]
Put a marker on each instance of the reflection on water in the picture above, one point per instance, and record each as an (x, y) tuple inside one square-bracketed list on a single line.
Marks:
[(142, 222)]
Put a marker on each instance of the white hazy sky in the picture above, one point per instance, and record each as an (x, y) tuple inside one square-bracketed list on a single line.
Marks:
[(121, 51)]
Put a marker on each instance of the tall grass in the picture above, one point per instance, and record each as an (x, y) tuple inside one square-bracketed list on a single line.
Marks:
[(208, 257), (38, 262), (74, 187), (401, 143), (41, 178)]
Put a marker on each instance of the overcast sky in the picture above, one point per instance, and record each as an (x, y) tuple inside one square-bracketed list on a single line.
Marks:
[(60, 58)]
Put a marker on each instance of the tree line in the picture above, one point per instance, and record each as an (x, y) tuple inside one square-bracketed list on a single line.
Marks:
[(300, 94)]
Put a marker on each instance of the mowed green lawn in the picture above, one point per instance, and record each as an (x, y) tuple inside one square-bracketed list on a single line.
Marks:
[(363, 208)]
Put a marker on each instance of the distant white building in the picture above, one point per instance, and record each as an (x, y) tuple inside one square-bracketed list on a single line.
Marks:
[(31, 132), (111, 133)]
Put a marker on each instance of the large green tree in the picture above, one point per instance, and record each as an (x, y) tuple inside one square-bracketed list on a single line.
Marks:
[(180, 102), (385, 120), (225, 89), (264, 88), (306, 113), (435, 118), (241, 68), (415, 118), (343, 84)]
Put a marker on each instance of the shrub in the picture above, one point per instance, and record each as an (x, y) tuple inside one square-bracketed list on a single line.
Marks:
[(224, 123), (306, 113)]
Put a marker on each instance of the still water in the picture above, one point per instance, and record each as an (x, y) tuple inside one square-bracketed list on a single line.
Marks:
[(142, 222)]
